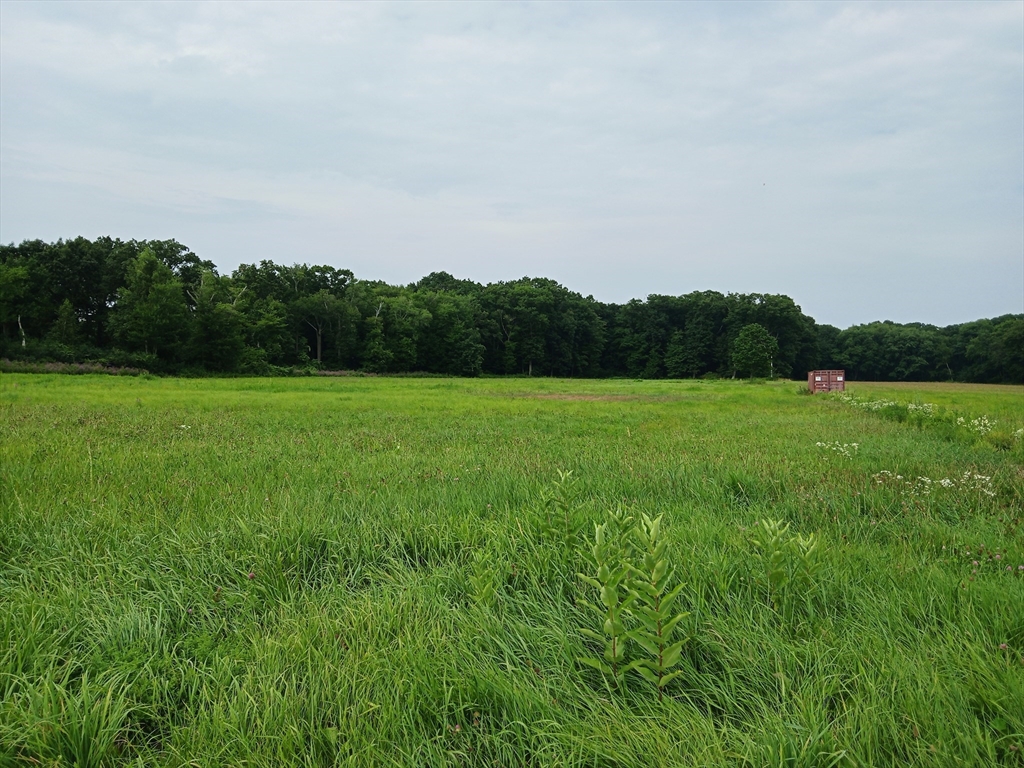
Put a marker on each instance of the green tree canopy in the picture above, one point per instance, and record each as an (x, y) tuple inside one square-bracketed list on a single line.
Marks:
[(754, 351), (151, 314), (157, 298)]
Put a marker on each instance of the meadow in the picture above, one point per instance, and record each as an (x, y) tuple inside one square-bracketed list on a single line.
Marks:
[(386, 571)]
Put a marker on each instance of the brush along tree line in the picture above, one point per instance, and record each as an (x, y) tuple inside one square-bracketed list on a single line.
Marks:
[(157, 305)]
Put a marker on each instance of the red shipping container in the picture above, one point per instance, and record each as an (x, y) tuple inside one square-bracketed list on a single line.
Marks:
[(826, 381)]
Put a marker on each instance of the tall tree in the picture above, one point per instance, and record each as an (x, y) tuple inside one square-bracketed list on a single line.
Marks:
[(14, 287), (217, 341), (754, 351), (66, 329), (319, 312), (151, 314)]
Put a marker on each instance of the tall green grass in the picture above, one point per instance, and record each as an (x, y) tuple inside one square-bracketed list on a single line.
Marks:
[(368, 572)]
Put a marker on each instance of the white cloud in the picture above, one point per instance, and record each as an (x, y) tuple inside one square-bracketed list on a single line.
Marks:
[(623, 149)]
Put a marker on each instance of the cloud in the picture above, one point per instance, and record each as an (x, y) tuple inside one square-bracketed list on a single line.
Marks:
[(869, 149)]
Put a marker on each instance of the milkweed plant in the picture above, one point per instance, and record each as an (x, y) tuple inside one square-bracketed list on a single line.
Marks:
[(792, 563), (633, 576)]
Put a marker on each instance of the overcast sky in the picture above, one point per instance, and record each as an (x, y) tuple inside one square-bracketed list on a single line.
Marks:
[(865, 159)]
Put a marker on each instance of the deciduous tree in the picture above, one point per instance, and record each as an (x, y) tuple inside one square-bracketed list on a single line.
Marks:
[(754, 351)]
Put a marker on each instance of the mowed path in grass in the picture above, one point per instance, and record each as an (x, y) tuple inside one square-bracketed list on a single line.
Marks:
[(276, 572)]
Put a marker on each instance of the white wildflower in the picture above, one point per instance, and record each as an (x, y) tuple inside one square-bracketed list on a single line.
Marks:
[(846, 450)]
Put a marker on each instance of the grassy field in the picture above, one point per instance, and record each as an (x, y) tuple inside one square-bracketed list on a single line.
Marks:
[(1001, 401), (375, 571)]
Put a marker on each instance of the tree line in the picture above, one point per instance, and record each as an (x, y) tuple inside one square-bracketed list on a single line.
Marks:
[(156, 305)]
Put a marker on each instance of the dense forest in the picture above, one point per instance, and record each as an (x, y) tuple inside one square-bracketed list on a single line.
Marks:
[(156, 305)]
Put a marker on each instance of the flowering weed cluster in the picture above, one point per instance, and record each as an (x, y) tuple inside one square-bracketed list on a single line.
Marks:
[(846, 450), (920, 413), (981, 425), (879, 405), (950, 423), (924, 486), (988, 560), (927, 410)]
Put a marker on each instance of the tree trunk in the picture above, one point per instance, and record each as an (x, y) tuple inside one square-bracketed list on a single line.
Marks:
[(22, 330), (319, 328)]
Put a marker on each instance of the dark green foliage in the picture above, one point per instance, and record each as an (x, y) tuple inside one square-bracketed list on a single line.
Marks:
[(14, 285), (218, 329), (151, 314), (535, 326), (983, 351), (449, 341), (66, 328), (754, 351), (266, 326), (376, 356), (676, 359), (143, 297)]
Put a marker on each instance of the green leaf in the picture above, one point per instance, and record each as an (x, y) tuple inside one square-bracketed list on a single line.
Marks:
[(645, 588), (648, 630), (647, 643), (647, 674), (669, 626), (596, 664), (647, 615), (671, 655), (591, 581), (614, 627), (669, 598), (636, 664), (666, 679), (614, 655), (609, 596), (660, 569)]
